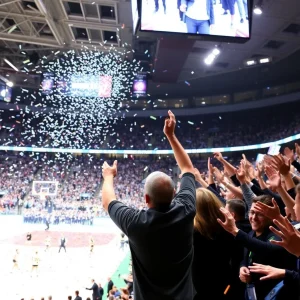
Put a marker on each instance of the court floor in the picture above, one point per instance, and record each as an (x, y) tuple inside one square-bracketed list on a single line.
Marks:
[(59, 274)]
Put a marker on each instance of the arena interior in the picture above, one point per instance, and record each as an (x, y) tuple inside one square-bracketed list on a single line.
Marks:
[(84, 82)]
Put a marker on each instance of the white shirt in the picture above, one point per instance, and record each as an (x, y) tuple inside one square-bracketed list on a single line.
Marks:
[(198, 10)]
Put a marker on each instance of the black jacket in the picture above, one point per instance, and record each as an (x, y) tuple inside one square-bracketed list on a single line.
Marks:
[(95, 289), (261, 251)]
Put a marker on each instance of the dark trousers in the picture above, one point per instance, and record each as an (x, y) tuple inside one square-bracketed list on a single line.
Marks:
[(62, 246), (47, 224), (157, 4), (195, 26)]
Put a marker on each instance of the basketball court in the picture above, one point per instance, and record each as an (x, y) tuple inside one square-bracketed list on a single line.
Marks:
[(60, 274)]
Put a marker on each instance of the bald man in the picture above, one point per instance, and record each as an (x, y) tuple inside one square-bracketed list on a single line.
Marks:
[(160, 238)]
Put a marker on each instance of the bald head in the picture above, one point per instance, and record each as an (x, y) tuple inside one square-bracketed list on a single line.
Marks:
[(159, 190)]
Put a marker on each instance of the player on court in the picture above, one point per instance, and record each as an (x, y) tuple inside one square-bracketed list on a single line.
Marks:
[(91, 245), (47, 243), (28, 238), (16, 261), (63, 242), (35, 263)]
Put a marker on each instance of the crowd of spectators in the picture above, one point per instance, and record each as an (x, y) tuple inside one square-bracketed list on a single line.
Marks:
[(238, 202), (201, 131), (15, 177)]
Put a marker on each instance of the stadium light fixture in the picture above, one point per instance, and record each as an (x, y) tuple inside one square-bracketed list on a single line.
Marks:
[(250, 62), (264, 60), (11, 64), (13, 28), (209, 59), (3, 93), (216, 52), (212, 56), (10, 84), (258, 8)]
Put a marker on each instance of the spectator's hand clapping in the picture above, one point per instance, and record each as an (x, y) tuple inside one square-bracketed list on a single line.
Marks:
[(289, 153), (274, 177), (268, 211), (290, 236)]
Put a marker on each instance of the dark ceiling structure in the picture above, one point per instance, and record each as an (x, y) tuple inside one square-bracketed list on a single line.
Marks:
[(42, 27)]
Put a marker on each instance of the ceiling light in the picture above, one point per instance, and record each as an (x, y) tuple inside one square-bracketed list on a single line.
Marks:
[(212, 56), (10, 84), (257, 10), (3, 93), (264, 60), (216, 52), (250, 62), (12, 29), (11, 65), (209, 60), (203, 102)]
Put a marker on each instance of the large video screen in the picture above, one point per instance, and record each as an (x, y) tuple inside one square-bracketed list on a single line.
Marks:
[(86, 85), (91, 86), (226, 18)]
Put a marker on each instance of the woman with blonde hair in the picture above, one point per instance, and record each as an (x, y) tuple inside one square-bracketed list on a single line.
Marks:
[(213, 248)]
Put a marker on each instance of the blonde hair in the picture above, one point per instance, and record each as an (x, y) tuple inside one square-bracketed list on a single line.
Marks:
[(207, 212)]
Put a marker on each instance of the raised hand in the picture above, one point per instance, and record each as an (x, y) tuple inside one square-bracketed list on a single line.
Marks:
[(108, 171), (229, 224), (210, 167), (274, 177), (268, 271), (290, 236), (289, 153), (260, 169), (218, 156), (282, 164), (169, 128), (241, 173), (268, 211), (218, 174), (197, 175)]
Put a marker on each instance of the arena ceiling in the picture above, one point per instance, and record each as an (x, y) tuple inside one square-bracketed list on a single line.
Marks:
[(38, 27), (41, 27)]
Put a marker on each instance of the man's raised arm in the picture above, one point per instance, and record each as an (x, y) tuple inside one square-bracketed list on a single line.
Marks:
[(182, 158), (108, 193)]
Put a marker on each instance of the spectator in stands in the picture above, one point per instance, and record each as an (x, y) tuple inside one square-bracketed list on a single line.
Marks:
[(161, 237), (237, 208), (77, 297), (209, 237), (258, 249)]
